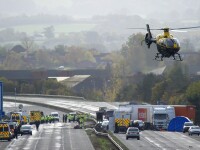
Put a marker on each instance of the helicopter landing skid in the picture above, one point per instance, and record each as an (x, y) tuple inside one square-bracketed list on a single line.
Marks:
[(159, 57), (177, 57)]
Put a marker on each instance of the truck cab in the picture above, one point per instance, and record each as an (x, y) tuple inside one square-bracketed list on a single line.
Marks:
[(160, 118)]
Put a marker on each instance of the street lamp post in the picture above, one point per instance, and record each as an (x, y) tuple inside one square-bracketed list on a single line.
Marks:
[(15, 99)]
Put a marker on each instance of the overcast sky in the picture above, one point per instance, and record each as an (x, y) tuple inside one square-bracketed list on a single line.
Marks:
[(88, 8)]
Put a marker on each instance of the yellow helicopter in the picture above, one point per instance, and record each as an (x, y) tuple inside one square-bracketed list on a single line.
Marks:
[(167, 45)]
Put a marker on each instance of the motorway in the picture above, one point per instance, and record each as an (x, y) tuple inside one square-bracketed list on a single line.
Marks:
[(161, 140), (54, 136), (74, 105), (150, 140)]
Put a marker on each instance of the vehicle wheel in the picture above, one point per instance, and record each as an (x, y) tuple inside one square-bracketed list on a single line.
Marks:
[(183, 131), (198, 134), (21, 134), (9, 139), (127, 138), (31, 133), (138, 138)]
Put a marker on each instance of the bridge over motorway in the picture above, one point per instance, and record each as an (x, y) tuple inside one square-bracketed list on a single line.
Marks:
[(44, 74)]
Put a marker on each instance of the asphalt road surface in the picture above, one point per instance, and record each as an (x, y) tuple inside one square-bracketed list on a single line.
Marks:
[(150, 140), (51, 136), (160, 140)]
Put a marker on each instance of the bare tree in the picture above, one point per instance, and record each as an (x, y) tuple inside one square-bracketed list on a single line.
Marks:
[(27, 43)]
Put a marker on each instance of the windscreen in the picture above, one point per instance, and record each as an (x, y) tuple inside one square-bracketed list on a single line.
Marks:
[(26, 127), (170, 42), (3, 129), (54, 115), (133, 130), (160, 116), (188, 124), (196, 127)]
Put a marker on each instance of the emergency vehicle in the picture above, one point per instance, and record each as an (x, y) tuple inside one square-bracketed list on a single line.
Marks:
[(35, 116), (5, 133), (24, 117), (16, 117)]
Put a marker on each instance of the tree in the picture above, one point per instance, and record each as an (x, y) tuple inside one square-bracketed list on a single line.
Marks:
[(27, 43), (147, 85), (157, 91), (193, 94), (133, 52), (177, 77), (49, 32), (15, 61), (60, 49)]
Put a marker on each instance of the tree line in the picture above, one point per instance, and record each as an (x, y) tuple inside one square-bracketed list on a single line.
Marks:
[(47, 86)]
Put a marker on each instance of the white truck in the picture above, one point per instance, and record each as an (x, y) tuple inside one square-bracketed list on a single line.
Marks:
[(160, 118), (154, 116)]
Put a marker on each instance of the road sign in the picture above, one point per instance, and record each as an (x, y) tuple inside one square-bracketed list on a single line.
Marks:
[(20, 106)]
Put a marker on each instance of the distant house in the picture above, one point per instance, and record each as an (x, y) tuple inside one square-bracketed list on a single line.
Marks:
[(18, 49)]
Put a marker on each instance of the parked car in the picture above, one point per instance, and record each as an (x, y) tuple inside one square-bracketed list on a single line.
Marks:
[(133, 132), (140, 124), (186, 126), (194, 130), (26, 129)]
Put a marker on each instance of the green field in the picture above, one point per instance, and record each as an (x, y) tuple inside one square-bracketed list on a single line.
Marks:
[(59, 28)]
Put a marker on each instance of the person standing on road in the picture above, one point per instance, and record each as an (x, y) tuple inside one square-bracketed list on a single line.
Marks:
[(16, 133), (37, 124), (63, 118)]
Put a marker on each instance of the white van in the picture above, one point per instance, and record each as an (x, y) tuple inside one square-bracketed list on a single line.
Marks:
[(56, 116)]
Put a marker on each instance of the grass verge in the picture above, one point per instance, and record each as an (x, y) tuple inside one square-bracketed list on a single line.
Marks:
[(118, 141), (100, 142)]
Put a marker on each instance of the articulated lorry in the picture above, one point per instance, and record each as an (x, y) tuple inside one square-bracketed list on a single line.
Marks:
[(154, 116), (186, 111)]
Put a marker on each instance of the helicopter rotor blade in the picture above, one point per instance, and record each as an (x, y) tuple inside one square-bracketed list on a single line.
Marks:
[(185, 28), (137, 28), (145, 28), (179, 31), (172, 29)]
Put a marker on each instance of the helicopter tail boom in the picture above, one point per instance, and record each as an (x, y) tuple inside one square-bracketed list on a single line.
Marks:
[(148, 38)]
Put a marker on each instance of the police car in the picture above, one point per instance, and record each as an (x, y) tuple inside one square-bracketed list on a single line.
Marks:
[(5, 133)]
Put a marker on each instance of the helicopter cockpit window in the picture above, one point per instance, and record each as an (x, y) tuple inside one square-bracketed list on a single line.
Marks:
[(177, 42), (169, 42)]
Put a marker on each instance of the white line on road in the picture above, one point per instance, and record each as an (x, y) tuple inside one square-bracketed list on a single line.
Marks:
[(154, 143)]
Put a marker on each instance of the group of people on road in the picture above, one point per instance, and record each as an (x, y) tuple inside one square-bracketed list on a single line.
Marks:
[(79, 118), (47, 119)]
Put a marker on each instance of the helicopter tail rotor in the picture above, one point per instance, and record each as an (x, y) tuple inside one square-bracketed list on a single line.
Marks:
[(148, 37)]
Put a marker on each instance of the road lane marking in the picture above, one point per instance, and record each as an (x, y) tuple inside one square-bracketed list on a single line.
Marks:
[(154, 143), (10, 145), (38, 139)]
